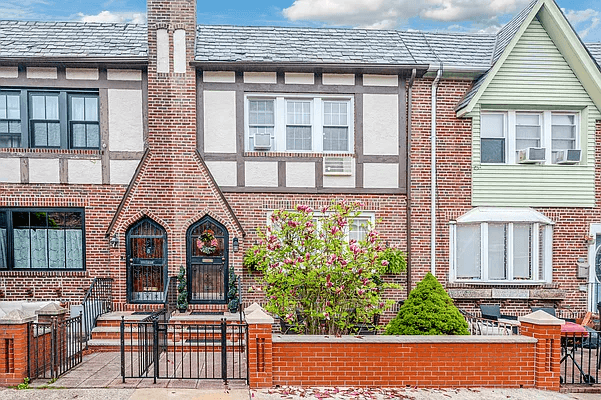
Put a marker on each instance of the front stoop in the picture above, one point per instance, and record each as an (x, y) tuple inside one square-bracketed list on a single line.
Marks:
[(106, 336)]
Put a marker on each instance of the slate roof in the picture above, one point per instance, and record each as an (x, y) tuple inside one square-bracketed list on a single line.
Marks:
[(222, 43), (25, 39)]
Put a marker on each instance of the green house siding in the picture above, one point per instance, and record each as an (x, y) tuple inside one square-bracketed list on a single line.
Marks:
[(535, 76)]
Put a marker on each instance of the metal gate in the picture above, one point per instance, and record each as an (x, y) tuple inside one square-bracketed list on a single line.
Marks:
[(580, 357), (162, 350), (55, 347)]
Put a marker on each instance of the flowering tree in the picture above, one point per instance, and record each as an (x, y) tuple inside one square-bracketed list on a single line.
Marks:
[(314, 277)]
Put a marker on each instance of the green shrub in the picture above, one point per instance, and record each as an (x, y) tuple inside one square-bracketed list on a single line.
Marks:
[(428, 311)]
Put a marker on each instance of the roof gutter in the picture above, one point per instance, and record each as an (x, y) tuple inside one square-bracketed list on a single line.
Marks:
[(433, 174), (408, 169)]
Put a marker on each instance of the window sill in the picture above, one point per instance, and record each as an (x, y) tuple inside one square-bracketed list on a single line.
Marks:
[(25, 152), (294, 154), (510, 290), (42, 273)]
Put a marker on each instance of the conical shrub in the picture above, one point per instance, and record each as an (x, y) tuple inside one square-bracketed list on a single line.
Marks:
[(429, 310)]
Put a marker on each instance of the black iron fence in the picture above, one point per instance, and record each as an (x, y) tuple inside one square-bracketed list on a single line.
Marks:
[(55, 347), (580, 357), (97, 301), (161, 350)]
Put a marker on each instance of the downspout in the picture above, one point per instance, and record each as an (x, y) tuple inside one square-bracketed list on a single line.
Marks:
[(408, 169), (433, 175)]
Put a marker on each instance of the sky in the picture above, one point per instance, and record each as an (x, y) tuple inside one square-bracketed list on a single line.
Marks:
[(431, 15)]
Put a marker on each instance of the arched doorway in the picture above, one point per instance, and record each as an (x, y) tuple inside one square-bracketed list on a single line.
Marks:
[(207, 258), (146, 262)]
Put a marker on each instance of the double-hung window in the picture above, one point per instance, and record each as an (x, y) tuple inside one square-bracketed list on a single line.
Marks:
[(501, 245), (54, 119), (42, 239), (10, 119), (299, 123), (503, 134)]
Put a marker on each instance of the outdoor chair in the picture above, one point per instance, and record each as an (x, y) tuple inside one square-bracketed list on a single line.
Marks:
[(493, 311)]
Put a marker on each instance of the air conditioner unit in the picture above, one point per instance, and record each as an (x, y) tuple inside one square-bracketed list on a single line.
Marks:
[(567, 156), (531, 155), (337, 165), (262, 141)]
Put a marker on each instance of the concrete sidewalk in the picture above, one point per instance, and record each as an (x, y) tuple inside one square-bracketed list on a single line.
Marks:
[(290, 394)]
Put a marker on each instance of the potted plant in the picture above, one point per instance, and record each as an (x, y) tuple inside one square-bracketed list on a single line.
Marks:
[(232, 294), (251, 259), (182, 289)]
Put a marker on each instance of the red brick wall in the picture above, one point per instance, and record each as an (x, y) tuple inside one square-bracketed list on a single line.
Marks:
[(425, 364)]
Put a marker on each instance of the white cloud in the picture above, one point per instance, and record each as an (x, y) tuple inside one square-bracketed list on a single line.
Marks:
[(583, 20), (108, 16), (391, 13)]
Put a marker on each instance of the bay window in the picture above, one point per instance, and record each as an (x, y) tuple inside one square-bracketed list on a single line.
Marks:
[(504, 133), (501, 245), (299, 123)]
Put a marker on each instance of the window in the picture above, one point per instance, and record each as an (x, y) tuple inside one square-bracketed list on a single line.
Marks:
[(501, 245), (504, 134), (49, 119), (303, 123), (10, 119), (42, 239)]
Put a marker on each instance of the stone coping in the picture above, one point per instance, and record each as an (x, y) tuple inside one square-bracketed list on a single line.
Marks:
[(402, 339)]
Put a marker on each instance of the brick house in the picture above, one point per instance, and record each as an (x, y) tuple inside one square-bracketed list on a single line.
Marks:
[(121, 145)]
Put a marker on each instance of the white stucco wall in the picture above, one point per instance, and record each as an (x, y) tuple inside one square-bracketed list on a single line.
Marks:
[(338, 79), (44, 170), (260, 77), (219, 121), (82, 73), (179, 51), (122, 171), (379, 175), (261, 173), (9, 72), (123, 74), (10, 170), (41, 73), (380, 80), (224, 172), (380, 124), (299, 78), (162, 50), (126, 132), (85, 172), (341, 181), (219, 76), (300, 174)]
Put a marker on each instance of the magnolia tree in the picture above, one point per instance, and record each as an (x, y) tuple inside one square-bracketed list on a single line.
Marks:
[(315, 278)]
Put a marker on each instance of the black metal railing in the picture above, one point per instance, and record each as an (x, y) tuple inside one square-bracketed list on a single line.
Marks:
[(55, 347), (159, 350), (580, 357), (97, 301), (170, 296)]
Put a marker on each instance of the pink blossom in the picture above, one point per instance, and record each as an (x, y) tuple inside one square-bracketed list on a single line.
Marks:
[(293, 224), (384, 263), (309, 224)]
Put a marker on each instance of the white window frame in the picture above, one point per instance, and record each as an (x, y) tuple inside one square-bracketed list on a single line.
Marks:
[(317, 111), (546, 132), (547, 254)]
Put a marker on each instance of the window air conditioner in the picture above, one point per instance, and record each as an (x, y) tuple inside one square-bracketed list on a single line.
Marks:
[(262, 141), (567, 157), (337, 165), (531, 155)]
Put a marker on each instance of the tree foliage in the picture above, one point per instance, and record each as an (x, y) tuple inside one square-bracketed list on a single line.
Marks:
[(314, 277), (429, 310)]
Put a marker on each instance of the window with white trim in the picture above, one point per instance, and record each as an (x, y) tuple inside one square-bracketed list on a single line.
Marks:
[(357, 230), (504, 133), (496, 249), (299, 123)]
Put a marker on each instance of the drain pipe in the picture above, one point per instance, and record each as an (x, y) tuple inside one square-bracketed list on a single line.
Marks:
[(408, 169), (433, 175)]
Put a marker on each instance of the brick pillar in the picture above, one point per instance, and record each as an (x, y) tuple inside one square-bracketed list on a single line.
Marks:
[(260, 357), (13, 348), (547, 330)]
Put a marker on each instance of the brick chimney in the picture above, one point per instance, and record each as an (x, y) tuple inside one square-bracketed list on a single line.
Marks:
[(172, 185)]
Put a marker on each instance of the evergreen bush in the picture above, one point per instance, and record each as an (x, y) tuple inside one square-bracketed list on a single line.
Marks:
[(429, 310)]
